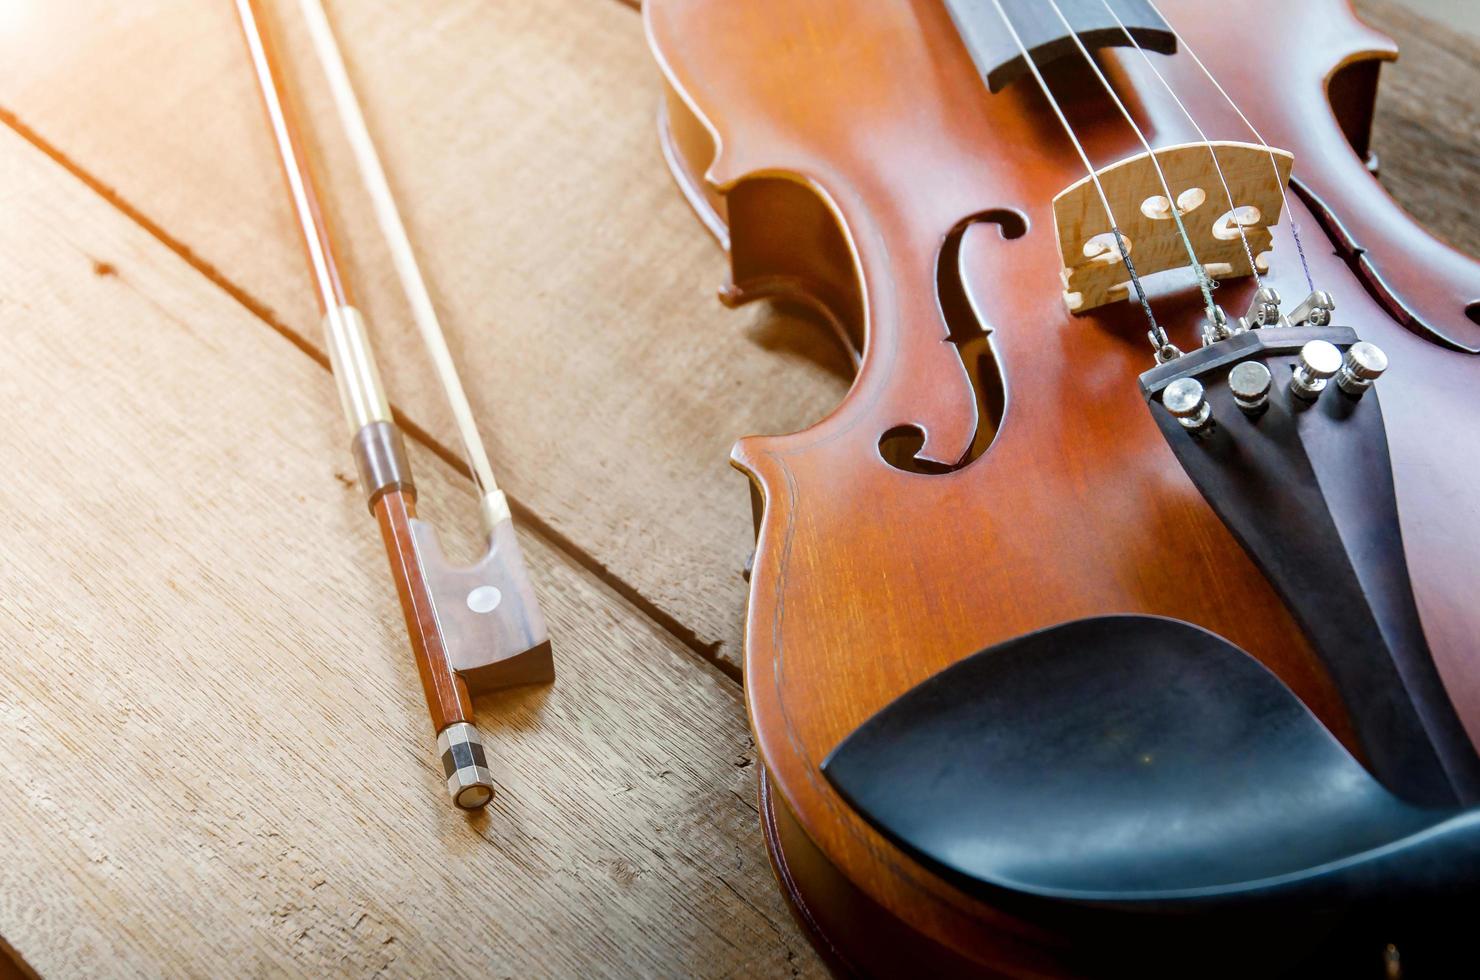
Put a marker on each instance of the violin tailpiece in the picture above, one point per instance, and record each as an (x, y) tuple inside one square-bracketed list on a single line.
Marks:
[(1094, 271), (1291, 409)]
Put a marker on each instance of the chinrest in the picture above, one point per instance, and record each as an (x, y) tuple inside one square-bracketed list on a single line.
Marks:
[(1145, 765)]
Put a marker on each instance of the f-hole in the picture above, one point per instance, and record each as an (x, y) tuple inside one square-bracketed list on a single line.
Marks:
[(900, 445)]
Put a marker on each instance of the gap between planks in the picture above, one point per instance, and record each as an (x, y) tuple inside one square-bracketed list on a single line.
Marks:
[(688, 637), (706, 653)]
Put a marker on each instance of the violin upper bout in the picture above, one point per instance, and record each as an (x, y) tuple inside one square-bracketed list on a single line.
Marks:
[(1316, 95), (1363, 41), (805, 178)]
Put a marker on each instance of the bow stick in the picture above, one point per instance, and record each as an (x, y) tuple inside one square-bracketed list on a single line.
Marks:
[(472, 628)]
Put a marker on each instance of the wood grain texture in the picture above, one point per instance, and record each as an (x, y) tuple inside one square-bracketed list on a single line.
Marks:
[(484, 111), (1427, 133), (872, 576), (446, 693), (575, 288), (505, 108), (1217, 192), (216, 759)]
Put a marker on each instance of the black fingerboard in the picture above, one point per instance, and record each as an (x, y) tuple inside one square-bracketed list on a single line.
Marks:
[(1042, 32)]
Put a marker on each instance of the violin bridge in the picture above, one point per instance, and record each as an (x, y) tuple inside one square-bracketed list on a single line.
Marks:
[(1094, 273)]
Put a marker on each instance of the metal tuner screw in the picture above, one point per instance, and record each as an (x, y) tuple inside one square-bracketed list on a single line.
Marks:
[(1319, 360), (1250, 383), (1217, 327), (1314, 311), (1264, 310), (465, 763), (1364, 364), (1184, 399)]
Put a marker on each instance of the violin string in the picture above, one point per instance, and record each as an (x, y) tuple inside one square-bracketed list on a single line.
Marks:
[(1217, 165), (1284, 197), (1204, 282), (1165, 349), (423, 312)]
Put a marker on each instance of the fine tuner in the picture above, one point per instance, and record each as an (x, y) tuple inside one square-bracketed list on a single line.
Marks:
[(1038, 675), (1030, 667), (1062, 657), (1251, 382)]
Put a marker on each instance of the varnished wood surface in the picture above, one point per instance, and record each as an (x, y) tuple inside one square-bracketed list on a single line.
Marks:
[(872, 576), (446, 692), (576, 293), (216, 757), (1427, 135), (222, 673)]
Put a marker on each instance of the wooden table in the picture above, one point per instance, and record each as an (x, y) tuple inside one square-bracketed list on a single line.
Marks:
[(215, 758)]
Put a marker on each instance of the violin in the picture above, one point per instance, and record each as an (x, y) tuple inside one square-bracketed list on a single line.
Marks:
[(1121, 617)]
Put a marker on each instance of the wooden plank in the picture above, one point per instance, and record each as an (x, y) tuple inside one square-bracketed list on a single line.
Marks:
[(615, 383), (216, 757), (1427, 121), (576, 286), (520, 138)]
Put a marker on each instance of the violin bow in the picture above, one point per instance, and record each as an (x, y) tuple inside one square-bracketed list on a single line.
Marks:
[(472, 628)]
